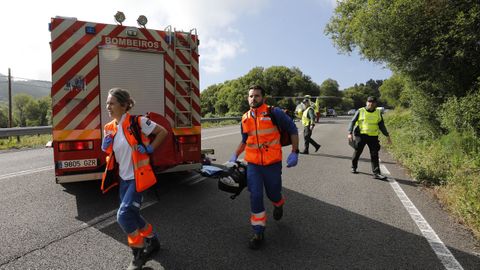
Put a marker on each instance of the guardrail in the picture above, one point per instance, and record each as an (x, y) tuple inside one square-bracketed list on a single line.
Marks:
[(22, 131)]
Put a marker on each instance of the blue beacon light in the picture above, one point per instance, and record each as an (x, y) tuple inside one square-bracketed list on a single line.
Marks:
[(90, 30)]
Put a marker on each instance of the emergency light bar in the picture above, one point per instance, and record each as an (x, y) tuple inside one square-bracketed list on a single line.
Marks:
[(90, 30), (142, 20)]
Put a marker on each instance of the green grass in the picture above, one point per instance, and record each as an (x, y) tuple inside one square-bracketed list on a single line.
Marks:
[(450, 164), (33, 141)]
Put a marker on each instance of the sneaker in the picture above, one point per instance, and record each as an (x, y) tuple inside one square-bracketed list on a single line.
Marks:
[(256, 241), (304, 152), (138, 259), (316, 148), (152, 246), (354, 170), (379, 176), (277, 212)]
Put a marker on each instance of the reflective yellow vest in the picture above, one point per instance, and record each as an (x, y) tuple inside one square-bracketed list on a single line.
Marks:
[(368, 121), (305, 119)]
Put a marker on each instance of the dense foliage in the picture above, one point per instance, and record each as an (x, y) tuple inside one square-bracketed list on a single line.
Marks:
[(433, 47), (285, 87), (230, 97), (27, 111)]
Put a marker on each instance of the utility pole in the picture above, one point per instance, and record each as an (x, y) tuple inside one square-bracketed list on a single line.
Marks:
[(9, 99)]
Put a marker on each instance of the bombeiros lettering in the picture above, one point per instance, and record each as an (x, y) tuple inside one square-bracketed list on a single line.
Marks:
[(131, 42)]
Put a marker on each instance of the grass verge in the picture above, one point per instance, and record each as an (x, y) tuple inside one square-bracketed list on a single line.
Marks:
[(33, 141), (450, 164)]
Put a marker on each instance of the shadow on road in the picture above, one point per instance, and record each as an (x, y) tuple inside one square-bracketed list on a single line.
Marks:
[(344, 157), (202, 228)]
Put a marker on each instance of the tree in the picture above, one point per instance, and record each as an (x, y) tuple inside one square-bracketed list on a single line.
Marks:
[(208, 99), (37, 112), (393, 91), (432, 42), (21, 105), (278, 81), (287, 103), (359, 92), (330, 89), (3, 115)]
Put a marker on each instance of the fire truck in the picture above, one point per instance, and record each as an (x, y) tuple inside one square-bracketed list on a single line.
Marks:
[(158, 67)]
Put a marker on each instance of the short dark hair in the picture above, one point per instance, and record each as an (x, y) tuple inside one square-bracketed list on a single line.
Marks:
[(257, 87), (372, 99)]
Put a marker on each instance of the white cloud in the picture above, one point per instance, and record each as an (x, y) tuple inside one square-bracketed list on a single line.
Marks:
[(25, 37), (216, 51)]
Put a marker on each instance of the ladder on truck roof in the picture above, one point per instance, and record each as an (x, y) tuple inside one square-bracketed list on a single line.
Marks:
[(183, 118)]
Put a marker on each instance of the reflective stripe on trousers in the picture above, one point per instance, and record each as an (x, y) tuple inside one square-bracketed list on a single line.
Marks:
[(258, 178)]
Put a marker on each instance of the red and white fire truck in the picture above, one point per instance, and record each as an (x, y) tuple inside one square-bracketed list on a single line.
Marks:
[(159, 68)]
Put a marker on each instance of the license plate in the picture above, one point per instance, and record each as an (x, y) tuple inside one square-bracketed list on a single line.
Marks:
[(79, 163)]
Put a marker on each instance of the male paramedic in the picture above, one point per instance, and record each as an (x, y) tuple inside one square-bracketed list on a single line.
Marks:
[(263, 152)]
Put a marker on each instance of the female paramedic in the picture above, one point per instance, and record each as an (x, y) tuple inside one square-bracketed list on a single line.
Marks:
[(128, 161)]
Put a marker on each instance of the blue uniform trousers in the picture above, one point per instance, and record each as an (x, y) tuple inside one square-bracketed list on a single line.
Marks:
[(258, 177), (128, 214)]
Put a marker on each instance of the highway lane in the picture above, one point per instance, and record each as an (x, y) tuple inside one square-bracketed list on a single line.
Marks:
[(333, 219)]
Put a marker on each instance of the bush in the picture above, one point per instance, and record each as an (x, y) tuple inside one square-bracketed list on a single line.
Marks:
[(233, 114), (451, 162), (462, 114)]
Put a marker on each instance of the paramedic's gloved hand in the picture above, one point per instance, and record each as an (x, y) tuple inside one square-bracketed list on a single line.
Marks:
[(148, 149), (107, 141), (233, 158), (292, 160)]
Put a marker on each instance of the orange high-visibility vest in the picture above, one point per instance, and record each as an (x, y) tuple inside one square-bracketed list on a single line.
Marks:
[(263, 142), (144, 175)]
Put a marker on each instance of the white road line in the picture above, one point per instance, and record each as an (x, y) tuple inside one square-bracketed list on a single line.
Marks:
[(442, 252), (8, 175), (221, 135), (109, 218)]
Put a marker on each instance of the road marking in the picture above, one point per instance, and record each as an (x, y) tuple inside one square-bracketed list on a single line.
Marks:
[(99, 223), (221, 135), (109, 218), (8, 175), (442, 252)]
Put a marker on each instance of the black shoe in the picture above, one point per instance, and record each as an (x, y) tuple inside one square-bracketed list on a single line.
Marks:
[(138, 259), (316, 148), (304, 152), (277, 212), (152, 246), (256, 241), (379, 176), (354, 170)]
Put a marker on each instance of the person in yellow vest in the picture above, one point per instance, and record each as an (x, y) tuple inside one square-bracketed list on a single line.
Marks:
[(308, 122), (263, 152), (370, 121), (128, 163), (317, 109)]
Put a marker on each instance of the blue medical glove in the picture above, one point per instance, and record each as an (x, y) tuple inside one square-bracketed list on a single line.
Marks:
[(233, 158), (148, 149), (107, 141), (292, 160)]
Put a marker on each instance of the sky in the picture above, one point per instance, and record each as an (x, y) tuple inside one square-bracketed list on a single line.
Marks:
[(235, 35)]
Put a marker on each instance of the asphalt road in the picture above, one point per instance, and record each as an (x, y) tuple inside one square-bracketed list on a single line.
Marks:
[(332, 219)]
